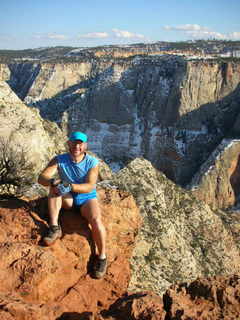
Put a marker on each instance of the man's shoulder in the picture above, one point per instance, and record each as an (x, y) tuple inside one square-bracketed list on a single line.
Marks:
[(91, 157), (93, 161)]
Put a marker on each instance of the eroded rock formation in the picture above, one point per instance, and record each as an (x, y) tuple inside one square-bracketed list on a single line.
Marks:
[(171, 111), (212, 298), (181, 238), (27, 141)]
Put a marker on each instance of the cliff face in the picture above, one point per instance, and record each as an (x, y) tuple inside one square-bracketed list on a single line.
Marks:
[(167, 109), (218, 180), (5, 73)]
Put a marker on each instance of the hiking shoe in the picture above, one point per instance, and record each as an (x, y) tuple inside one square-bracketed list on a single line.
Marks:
[(54, 233), (99, 268)]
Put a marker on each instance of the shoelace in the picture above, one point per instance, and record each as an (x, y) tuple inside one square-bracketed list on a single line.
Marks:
[(53, 229)]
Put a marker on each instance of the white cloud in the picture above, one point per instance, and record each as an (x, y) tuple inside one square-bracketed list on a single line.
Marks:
[(116, 33), (57, 36), (196, 31), (207, 34), (50, 36), (127, 34), (235, 35), (187, 27), (94, 35)]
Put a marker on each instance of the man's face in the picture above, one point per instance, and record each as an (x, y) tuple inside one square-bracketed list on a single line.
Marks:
[(77, 147)]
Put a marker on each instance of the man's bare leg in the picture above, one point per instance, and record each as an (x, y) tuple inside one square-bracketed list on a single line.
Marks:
[(55, 203), (92, 212)]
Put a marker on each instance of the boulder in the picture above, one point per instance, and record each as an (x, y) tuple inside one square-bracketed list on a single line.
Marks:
[(26, 142), (15, 308), (137, 306), (209, 298), (215, 298), (181, 237)]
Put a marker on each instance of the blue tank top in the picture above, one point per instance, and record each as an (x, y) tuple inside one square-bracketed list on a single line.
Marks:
[(73, 172)]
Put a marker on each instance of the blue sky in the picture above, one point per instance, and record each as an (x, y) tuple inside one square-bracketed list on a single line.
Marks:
[(33, 24)]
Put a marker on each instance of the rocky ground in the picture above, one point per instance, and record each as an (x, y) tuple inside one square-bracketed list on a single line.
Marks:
[(40, 282), (55, 282)]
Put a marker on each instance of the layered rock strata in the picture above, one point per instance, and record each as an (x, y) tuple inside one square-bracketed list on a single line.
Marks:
[(170, 110)]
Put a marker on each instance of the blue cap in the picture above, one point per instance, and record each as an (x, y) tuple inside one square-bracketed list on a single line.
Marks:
[(77, 135)]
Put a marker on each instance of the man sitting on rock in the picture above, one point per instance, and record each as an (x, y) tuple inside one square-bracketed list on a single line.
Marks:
[(78, 172)]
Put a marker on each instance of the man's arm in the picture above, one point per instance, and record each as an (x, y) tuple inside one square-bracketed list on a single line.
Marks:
[(90, 184), (45, 177)]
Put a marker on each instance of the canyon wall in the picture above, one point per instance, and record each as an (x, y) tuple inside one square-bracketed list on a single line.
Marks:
[(167, 109)]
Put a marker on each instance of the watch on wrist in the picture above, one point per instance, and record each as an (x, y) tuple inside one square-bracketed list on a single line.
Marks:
[(53, 183)]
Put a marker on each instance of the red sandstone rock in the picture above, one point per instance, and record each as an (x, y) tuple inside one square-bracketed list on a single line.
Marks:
[(13, 308), (205, 299), (137, 306), (59, 274), (53, 283)]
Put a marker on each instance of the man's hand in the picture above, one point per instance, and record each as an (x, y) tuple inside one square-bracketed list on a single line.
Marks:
[(63, 188), (54, 182)]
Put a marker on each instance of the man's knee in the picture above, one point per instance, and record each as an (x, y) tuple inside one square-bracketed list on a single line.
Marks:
[(96, 222), (91, 213), (67, 202), (96, 219)]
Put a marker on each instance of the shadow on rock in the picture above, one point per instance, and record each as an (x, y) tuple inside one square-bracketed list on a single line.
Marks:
[(76, 316), (141, 305), (11, 202)]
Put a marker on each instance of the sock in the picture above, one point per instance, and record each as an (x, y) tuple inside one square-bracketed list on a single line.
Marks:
[(102, 256)]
